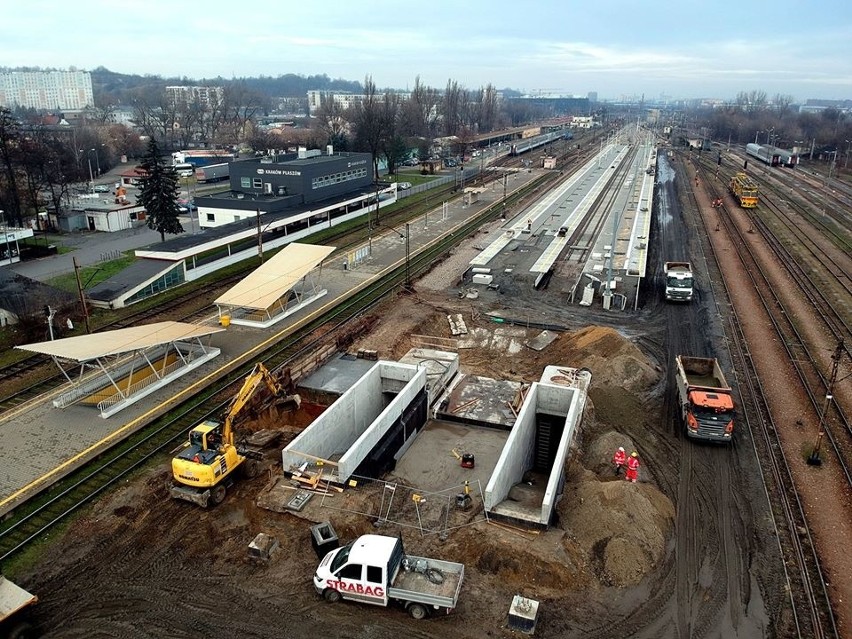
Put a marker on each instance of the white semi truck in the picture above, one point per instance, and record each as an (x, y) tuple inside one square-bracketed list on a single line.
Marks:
[(374, 569), (678, 281)]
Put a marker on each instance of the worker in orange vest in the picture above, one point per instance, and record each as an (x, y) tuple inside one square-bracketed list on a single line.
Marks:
[(632, 473), (619, 459)]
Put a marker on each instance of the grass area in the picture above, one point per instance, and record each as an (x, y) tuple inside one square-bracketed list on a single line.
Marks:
[(45, 240), (92, 275)]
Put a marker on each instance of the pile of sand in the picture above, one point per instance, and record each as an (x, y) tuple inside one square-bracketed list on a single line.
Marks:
[(612, 358), (621, 526)]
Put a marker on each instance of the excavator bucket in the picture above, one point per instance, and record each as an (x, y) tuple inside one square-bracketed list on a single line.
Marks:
[(289, 402)]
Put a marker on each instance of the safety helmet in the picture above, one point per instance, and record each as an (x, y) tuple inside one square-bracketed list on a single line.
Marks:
[(621, 449), (634, 454)]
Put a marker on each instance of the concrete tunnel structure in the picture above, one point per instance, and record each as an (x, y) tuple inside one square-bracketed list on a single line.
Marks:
[(368, 426), (540, 440), (372, 424)]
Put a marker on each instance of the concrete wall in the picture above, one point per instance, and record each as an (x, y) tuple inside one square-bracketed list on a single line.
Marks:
[(518, 453), (559, 400), (358, 419)]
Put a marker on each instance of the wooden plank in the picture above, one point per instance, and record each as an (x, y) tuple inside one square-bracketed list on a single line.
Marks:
[(319, 459)]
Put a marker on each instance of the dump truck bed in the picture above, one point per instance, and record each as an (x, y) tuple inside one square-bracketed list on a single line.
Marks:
[(13, 598), (702, 371)]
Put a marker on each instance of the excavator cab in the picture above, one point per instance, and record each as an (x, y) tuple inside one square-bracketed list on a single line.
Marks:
[(204, 467)]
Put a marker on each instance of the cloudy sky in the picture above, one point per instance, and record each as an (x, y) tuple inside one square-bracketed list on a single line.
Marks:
[(617, 48)]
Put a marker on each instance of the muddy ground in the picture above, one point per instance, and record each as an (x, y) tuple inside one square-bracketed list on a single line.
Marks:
[(686, 552)]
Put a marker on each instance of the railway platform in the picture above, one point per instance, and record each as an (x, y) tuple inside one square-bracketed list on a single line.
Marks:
[(41, 444)]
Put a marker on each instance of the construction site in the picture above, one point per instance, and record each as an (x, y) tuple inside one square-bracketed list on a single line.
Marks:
[(479, 430)]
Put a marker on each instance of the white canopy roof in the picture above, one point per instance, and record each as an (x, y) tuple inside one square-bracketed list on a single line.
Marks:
[(276, 276), (83, 348)]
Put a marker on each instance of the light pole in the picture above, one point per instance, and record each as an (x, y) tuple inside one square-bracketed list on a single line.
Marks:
[(756, 133), (97, 161), (846, 161), (405, 237), (769, 136), (828, 178)]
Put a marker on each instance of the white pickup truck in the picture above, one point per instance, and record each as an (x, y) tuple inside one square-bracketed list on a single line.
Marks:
[(15, 603), (374, 569)]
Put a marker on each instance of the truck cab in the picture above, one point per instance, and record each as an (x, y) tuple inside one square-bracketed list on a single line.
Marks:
[(679, 281), (15, 605)]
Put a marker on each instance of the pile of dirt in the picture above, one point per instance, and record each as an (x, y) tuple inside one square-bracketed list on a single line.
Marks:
[(597, 455), (622, 527), (612, 358)]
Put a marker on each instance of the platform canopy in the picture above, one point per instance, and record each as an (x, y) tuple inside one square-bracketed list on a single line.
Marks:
[(272, 279), (84, 348)]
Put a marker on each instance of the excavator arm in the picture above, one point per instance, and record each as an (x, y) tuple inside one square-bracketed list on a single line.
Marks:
[(259, 375)]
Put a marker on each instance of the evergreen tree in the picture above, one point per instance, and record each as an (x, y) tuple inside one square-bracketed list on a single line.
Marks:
[(159, 193)]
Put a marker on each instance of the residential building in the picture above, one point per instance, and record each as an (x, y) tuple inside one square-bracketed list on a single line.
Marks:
[(203, 95), (47, 90), (343, 99)]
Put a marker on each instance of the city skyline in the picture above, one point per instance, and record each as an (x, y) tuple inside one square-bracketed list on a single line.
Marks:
[(686, 50)]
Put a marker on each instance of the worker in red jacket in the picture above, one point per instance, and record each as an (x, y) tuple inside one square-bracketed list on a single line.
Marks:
[(619, 459), (632, 467)]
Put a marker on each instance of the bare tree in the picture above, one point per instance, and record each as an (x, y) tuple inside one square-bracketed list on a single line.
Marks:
[(331, 120), (242, 105), (392, 145), (10, 139), (451, 108), (367, 117)]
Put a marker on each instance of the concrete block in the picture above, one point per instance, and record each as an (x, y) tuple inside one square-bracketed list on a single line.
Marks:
[(523, 615)]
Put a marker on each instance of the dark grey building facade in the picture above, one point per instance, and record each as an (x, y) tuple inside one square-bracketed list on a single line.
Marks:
[(310, 179)]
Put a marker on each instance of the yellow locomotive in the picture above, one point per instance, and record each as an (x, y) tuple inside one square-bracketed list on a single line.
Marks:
[(744, 190)]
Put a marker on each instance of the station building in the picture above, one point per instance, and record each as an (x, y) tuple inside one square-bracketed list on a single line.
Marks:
[(290, 181), (296, 196)]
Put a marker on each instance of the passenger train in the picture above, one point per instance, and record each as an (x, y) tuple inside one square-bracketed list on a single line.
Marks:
[(520, 148), (772, 155)]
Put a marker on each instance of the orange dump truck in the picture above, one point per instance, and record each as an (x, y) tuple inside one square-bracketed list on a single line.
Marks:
[(707, 405)]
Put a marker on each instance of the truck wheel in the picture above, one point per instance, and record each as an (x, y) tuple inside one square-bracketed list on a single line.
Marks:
[(217, 495), (331, 595), (251, 468), (417, 611), (22, 630)]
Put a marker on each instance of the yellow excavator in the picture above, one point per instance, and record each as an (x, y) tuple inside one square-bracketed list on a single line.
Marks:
[(210, 459)]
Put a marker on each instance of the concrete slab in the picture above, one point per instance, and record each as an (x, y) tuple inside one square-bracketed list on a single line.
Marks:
[(429, 464), (337, 375), (482, 401)]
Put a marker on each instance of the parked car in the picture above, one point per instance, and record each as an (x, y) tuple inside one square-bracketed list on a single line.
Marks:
[(102, 188), (402, 186)]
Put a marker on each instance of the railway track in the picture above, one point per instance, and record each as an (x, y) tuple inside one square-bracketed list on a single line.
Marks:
[(811, 609), (34, 519), (837, 428)]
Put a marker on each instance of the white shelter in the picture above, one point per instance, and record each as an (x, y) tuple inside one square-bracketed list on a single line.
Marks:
[(277, 288), (118, 368)]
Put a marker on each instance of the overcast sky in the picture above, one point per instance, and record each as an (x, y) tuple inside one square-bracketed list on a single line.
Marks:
[(614, 47)]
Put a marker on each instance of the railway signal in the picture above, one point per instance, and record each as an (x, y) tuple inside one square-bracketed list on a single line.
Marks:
[(815, 459)]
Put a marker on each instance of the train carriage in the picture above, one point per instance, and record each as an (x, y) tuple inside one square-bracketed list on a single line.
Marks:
[(771, 155)]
